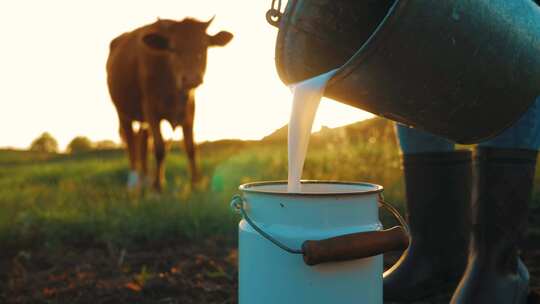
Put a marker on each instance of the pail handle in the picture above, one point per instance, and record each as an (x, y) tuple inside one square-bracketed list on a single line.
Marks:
[(344, 247), (273, 15)]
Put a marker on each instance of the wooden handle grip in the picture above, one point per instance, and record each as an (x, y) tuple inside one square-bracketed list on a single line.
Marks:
[(354, 246)]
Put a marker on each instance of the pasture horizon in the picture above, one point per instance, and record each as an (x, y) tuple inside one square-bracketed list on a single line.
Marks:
[(53, 71)]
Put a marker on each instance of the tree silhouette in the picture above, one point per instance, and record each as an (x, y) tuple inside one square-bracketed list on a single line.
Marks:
[(44, 143), (106, 145), (79, 144)]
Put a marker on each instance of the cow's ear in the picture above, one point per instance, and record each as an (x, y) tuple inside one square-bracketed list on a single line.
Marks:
[(220, 39), (156, 41)]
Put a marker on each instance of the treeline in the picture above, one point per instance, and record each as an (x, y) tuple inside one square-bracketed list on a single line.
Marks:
[(46, 143), (367, 132)]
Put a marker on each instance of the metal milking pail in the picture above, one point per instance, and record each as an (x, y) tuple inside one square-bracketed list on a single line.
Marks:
[(465, 70), (323, 245)]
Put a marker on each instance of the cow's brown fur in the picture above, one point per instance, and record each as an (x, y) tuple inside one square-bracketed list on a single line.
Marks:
[(152, 73)]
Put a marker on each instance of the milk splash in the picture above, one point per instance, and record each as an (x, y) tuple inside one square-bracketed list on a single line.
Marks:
[(306, 100)]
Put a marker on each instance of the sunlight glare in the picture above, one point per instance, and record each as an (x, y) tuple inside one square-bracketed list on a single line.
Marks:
[(53, 70)]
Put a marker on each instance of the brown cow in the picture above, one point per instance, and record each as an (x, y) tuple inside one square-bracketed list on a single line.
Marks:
[(152, 73)]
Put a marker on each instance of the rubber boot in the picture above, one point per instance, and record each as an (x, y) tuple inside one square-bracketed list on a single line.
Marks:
[(438, 188), (503, 186)]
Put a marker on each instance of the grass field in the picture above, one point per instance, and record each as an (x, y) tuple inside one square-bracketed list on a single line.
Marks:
[(70, 232), (51, 199)]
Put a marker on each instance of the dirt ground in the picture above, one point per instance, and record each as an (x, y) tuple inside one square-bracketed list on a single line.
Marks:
[(159, 272)]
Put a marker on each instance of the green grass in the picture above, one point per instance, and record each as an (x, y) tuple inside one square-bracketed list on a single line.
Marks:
[(83, 198), (49, 200)]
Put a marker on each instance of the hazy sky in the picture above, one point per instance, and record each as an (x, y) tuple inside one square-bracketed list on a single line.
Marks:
[(52, 70)]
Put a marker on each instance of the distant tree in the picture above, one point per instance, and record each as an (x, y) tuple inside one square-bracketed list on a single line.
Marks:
[(79, 144), (106, 145), (44, 143)]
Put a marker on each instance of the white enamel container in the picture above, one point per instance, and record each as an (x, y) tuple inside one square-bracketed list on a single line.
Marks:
[(268, 274)]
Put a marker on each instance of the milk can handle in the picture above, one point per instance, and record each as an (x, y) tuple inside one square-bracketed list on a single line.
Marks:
[(345, 247), (359, 245), (237, 203)]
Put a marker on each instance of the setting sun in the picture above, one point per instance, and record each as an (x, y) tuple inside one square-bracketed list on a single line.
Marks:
[(53, 71)]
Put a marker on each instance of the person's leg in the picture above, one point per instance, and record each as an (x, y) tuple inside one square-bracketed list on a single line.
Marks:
[(413, 141), (438, 182), (504, 173), (524, 134)]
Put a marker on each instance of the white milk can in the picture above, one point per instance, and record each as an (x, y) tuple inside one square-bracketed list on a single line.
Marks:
[(323, 245)]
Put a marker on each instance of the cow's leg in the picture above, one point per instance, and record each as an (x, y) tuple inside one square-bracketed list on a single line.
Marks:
[(189, 145), (143, 154), (128, 136), (190, 151), (159, 153)]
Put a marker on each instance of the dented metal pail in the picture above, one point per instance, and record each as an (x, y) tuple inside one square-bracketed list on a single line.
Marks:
[(465, 70)]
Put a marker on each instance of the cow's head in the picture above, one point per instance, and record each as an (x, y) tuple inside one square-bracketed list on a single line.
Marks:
[(186, 44)]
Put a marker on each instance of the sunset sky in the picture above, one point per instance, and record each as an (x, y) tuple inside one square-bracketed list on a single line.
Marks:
[(52, 70)]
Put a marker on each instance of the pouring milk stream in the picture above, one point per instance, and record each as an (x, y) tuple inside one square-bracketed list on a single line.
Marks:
[(307, 96), (343, 231)]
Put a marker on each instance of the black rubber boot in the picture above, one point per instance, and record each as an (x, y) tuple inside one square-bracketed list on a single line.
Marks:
[(503, 186), (438, 187)]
